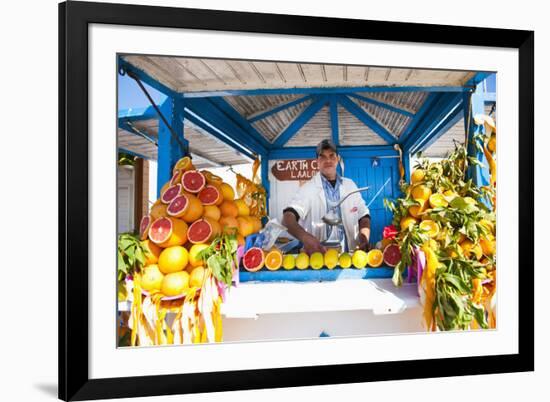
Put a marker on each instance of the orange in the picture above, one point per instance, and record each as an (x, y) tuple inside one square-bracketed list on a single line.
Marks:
[(375, 258), (492, 143), (194, 209), (273, 259), (246, 227), (488, 245), (487, 224), (151, 280), (416, 210), (196, 277), (193, 254), (212, 178), (228, 208), (240, 240), (227, 192), (212, 211), (407, 222), (438, 200), (184, 164), (421, 191), (256, 223), (173, 259), (158, 209), (229, 224), (469, 248), (430, 227), (175, 283), (244, 210), (417, 176), (151, 251), (179, 233)]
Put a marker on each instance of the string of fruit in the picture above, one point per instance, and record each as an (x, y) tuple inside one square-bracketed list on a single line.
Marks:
[(447, 239), (256, 258), (189, 242)]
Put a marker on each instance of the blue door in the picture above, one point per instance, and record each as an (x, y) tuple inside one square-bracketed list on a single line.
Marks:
[(374, 172)]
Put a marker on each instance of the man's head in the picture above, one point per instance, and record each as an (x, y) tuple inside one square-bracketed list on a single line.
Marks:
[(327, 158)]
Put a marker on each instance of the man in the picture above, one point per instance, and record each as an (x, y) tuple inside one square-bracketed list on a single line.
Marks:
[(303, 216)]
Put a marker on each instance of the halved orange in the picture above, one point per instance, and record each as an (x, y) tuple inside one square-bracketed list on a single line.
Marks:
[(273, 259), (429, 226), (375, 258), (438, 200)]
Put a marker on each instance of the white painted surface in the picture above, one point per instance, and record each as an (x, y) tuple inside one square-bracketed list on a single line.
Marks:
[(125, 198)]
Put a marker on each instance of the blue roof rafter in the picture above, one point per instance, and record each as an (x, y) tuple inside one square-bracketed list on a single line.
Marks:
[(217, 133), (334, 122), (476, 79), (300, 121), (232, 114), (345, 151), (444, 110), (276, 109), (318, 91), (430, 100), (208, 112), (127, 126), (367, 120), (382, 105)]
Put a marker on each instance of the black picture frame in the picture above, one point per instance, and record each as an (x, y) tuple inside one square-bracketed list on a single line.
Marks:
[(74, 18)]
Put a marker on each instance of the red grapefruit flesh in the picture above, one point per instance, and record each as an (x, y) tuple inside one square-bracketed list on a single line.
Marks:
[(253, 259), (178, 206), (203, 231), (193, 181), (176, 177), (144, 226), (210, 195), (160, 230), (170, 193), (392, 255)]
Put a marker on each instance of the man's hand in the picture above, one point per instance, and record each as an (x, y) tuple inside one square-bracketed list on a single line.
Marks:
[(363, 245), (312, 244)]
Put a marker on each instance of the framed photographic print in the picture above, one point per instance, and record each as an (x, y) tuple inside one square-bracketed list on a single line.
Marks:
[(258, 200)]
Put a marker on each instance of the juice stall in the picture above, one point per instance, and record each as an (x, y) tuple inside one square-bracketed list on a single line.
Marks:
[(269, 117)]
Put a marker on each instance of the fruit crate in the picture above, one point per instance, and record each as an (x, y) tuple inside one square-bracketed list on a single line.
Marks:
[(310, 275)]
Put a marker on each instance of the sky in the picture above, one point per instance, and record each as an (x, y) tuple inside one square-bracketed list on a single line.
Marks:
[(130, 94)]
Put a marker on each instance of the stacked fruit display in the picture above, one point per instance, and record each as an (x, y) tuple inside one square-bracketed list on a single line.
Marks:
[(446, 236), (255, 259), (195, 209)]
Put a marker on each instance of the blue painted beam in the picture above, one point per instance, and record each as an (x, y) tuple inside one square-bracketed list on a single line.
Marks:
[(169, 150), (334, 122), (449, 121), (125, 126), (319, 91), (265, 178), (345, 151), (234, 115), (300, 121), (218, 133), (382, 105), (208, 112), (367, 120), (439, 112), (277, 109), (429, 102), (479, 174), (146, 78)]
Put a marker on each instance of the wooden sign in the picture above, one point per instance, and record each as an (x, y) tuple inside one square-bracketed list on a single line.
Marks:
[(295, 169)]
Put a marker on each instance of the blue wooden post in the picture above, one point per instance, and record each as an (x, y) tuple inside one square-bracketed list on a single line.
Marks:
[(407, 166), (169, 149), (475, 102), (265, 178)]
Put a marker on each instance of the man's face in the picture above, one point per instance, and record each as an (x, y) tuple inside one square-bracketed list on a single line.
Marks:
[(328, 161)]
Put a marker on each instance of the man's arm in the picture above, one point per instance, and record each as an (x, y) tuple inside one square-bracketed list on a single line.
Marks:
[(310, 242), (364, 232)]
